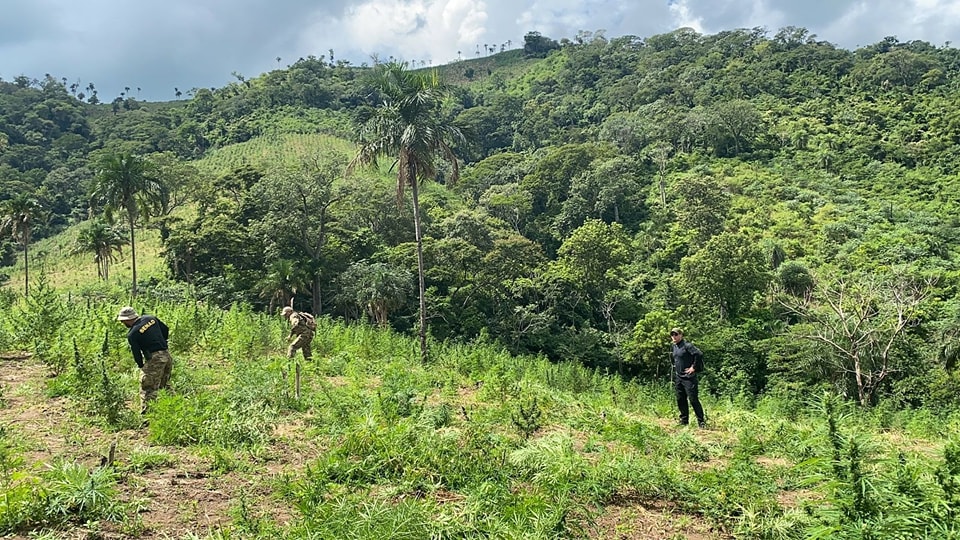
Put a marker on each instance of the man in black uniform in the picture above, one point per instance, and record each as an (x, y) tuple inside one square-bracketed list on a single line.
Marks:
[(148, 342), (687, 360)]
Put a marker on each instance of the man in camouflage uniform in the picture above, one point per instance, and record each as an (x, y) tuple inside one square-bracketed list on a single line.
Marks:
[(299, 327), (148, 341)]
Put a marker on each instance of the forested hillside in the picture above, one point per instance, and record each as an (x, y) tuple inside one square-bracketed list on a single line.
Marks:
[(791, 204), (495, 251)]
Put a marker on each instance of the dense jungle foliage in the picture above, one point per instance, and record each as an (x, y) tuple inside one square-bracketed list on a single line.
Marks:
[(791, 204)]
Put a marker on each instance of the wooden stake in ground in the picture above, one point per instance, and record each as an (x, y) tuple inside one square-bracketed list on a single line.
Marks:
[(296, 383)]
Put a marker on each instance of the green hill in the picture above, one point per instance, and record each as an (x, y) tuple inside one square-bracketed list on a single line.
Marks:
[(479, 72), (263, 153), (790, 202), (67, 271)]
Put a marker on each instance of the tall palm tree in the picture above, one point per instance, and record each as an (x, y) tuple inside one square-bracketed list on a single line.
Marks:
[(99, 238), (407, 125), (128, 183), (16, 218)]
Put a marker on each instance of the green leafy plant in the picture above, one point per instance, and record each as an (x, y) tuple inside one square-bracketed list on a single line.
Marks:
[(109, 400), (75, 493), (82, 371), (948, 477), (527, 418), (18, 498), (38, 323), (438, 416)]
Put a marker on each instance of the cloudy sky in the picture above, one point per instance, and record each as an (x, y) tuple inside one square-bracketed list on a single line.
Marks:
[(156, 45)]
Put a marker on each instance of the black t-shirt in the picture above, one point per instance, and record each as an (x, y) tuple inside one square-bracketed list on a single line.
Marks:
[(147, 335), (685, 355)]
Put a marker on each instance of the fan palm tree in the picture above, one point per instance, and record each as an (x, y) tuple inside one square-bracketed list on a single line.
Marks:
[(127, 183), (408, 127), (375, 287), (104, 241), (16, 219), (280, 285)]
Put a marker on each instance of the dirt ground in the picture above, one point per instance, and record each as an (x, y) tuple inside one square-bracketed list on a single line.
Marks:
[(185, 496), (627, 518), (189, 496)]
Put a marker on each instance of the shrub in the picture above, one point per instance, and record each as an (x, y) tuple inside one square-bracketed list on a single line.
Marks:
[(18, 488), (794, 278), (948, 477), (364, 515), (527, 418), (724, 494), (75, 493), (38, 322)]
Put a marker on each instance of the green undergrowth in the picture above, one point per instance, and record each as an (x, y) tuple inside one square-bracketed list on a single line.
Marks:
[(476, 443)]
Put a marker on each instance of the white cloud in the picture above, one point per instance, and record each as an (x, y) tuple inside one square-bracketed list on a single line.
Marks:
[(431, 30), (158, 44), (683, 18), (565, 18)]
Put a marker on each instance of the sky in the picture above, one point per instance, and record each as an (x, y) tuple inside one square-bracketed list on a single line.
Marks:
[(155, 46)]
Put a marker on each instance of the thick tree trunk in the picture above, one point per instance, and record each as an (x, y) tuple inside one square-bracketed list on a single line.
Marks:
[(423, 302), (317, 300), (862, 395), (663, 189)]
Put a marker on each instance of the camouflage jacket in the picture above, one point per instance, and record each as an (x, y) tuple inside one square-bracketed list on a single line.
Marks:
[(299, 324)]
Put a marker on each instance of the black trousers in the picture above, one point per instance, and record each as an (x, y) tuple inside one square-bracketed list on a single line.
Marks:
[(687, 390)]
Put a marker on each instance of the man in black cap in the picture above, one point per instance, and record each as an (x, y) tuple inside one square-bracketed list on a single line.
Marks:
[(687, 361), (148, 341)]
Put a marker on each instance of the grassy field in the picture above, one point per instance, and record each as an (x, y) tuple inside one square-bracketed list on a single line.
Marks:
[(270, 151), (67, 271), (508, 65), (474, 444)]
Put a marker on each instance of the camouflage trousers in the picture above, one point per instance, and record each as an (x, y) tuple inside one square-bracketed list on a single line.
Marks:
[(154, 376), (302, 342)]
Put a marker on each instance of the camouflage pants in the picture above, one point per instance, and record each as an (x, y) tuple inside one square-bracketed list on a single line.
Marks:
[(154, 376), (302, 342)]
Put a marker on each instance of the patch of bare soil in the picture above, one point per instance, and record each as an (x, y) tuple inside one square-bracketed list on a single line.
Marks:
[(772, 462), (187, 496), (797, 498), (630, 518)]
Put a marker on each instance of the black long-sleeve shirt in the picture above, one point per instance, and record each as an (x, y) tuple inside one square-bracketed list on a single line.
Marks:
[(147, 335), (685, 355)]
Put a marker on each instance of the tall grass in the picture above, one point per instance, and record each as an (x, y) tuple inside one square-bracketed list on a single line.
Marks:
[(475, 444)]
